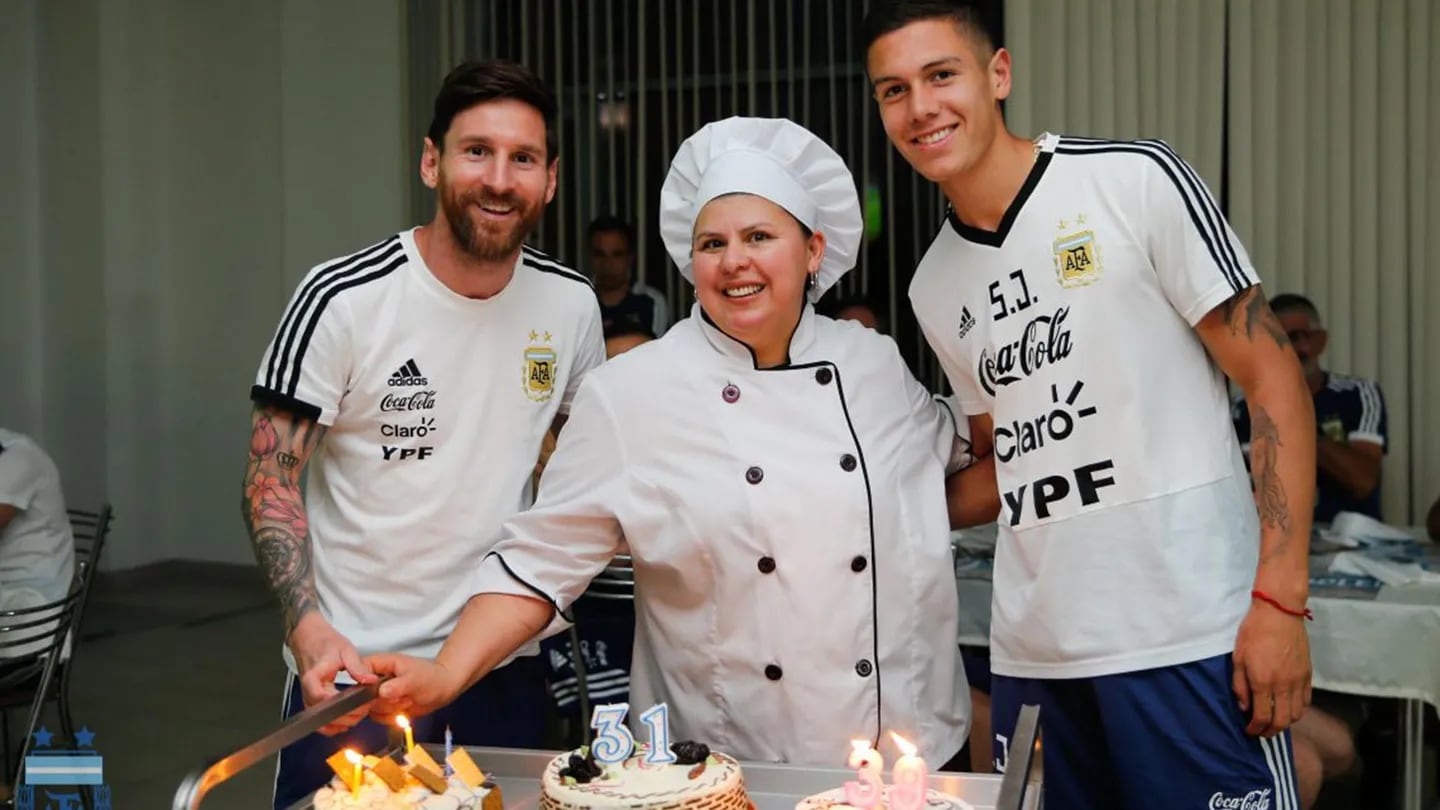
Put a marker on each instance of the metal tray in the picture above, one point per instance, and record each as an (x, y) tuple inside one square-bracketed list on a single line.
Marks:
[(771, 787)]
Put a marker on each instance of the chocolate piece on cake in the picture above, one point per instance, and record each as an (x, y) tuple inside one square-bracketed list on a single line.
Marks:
[(688, 752), (429, 777), (583, 769), (389, 772)]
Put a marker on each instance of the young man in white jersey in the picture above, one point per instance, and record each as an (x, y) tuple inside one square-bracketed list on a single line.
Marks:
[(415, 379), (1084, 298)]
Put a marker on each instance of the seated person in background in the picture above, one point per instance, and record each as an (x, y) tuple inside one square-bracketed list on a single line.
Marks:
[(37, 551), (1349, 415), (612, 265), (1323, 743)]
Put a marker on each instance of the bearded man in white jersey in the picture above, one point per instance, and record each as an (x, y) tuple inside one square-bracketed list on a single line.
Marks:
[(1087, 299), (416, 379)]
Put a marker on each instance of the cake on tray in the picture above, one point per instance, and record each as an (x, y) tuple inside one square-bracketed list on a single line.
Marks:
[(420, 784), (835, 800), (698, 780)]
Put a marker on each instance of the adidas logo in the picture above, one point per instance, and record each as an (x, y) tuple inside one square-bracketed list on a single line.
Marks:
[(408, 374), (966, 322)]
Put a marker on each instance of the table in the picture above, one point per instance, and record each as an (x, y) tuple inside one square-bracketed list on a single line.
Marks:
[(1397, 628)]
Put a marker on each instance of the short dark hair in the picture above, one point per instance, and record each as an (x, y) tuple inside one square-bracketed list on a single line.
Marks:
[(832, 305), (1291, 302), (624, 327), (888, 16), (472, 83), (609, 223)]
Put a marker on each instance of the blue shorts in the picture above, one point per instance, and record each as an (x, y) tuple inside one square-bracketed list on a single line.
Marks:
[(505, 709), (1169, 737)]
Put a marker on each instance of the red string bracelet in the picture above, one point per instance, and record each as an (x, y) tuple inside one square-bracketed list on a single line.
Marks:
[(1265, 597)]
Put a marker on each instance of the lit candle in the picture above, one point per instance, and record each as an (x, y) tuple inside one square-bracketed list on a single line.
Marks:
[(358, 778), (908, 790), (449, 749), (870, 766), (404, 722)]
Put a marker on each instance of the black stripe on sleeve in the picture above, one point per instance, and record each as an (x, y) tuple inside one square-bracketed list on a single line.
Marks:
[(261, 395), (300, 309), (1208, 221), (330, 292), (570, 274)]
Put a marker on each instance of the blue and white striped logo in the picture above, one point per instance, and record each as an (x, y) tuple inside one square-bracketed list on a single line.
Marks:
[(55, 776)]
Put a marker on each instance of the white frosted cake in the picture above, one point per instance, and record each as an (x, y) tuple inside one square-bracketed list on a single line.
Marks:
[(699, 781), (376, 795), (419, 785), (835, 800)]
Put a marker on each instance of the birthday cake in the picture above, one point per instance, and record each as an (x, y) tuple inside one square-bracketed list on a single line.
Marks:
[(417, 785), (697, 780), (835, 800)]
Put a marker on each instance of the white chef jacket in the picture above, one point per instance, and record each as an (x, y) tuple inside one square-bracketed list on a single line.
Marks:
[(794, 584)]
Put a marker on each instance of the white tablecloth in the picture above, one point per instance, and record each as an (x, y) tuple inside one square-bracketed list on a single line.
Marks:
[(1385, 646)]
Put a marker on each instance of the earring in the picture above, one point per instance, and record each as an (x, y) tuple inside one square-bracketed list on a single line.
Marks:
[(811, 281)]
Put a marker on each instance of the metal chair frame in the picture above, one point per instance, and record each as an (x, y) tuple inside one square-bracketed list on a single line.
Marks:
[(51, 682), (49, 626)]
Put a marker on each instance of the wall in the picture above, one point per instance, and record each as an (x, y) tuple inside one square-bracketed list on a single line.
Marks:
[(179, 168)]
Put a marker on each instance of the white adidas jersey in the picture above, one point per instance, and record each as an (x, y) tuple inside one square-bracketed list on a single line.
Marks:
[(1128, 536), (436, 405)]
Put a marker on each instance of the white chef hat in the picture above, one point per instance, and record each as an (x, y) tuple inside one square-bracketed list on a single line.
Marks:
[(774, 158)]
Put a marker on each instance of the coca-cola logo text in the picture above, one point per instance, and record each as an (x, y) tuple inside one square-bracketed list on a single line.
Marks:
[(1045, 340), (418, 401), (1254, 800)]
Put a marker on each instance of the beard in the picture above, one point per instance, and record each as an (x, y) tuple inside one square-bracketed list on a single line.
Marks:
[(489, 241)]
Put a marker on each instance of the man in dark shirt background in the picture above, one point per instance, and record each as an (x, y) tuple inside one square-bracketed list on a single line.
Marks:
[(1349, 415), (612, 264)]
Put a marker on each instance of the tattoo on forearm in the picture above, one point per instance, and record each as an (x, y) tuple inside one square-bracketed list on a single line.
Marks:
[(1247, 310), (274, 511), (285, 559), (1270, 497)]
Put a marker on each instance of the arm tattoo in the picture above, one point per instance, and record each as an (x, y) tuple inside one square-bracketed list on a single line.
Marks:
[(1270, 497), (1247, 310), (274, 511)]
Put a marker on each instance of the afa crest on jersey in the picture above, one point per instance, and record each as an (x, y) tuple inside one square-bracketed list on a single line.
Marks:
[(539, 368), (1077, 259)]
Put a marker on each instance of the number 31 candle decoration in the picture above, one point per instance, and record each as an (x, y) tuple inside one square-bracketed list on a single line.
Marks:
[(909, 777), (614, 743), (865, 793)]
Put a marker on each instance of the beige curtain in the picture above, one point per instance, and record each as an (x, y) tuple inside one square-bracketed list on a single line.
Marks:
[(1122, 69), (1335, 189)]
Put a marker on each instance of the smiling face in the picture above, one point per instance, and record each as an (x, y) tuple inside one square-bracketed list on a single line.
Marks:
[(750, 261), (938, 88), (491, 178)]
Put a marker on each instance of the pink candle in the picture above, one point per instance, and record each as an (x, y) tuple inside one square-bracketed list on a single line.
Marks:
[(870, 768), (907, 790)]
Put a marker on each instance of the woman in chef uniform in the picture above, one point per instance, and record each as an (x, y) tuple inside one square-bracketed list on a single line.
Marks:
[(780, 479)]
